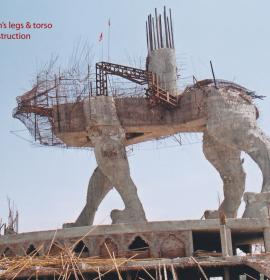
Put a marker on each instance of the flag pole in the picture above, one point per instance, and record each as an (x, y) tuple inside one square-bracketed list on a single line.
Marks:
[(101, 41), (102, 50)]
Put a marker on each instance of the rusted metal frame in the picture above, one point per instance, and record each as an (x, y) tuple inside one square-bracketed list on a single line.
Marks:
[(105, 83), (135, 75), (154, 82), (35, 103), (29, 95), (157, 85), (89, 83), (46, 112), (52, 123), (168, 102), (109, 66), (57, 104), (163, 99), (101, 86), (52, 129), (138, 76), (128, 77), (101, 80), (134, 78), (97, 79), (32, 94), (151, 83), (47, 95), (161, 94)]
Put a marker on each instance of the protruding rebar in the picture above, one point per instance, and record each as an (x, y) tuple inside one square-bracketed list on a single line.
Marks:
[(157, 29), (165, 28), (147, 37), (150, 32), (159, 33), (213, 73), (169, 34), (154, 33), (170, 11), (160, 30)]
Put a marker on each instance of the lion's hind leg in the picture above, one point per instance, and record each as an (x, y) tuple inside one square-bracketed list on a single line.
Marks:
[(227, 161), (257, 146)]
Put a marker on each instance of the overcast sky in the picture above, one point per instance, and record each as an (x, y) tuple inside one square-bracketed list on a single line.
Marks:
[(49, 185)]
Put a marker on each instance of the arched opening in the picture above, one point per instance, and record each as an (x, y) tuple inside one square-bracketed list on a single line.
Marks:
[(8, 253), (108, 249), (138, 244), (81, 249), (139, 248), (32, 251), (55, 249), (172, 247)]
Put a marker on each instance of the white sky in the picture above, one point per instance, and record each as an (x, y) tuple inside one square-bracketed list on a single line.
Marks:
[(49, 185)]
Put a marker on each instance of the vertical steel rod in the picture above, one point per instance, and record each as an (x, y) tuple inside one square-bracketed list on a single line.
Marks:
[(154, 33), (147, 37), (150, 32), (213, 73), (165, 27), (169, 33), (160, 30), (57, 103), (157, 29), (171, 28)]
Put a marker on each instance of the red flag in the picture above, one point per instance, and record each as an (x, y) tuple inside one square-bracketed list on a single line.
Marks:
[(100, 37)]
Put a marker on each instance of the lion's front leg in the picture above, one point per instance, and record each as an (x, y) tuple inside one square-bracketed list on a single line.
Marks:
[(99, 186), (112, 160)]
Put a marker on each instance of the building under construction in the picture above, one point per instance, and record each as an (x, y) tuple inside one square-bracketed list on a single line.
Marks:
[(81, 110)]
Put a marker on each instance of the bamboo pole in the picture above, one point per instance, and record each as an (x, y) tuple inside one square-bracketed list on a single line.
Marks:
[(174, 273), (52, 242), (165, 272), (114, 262), (99, 275), (148, 273), (200, 268)]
